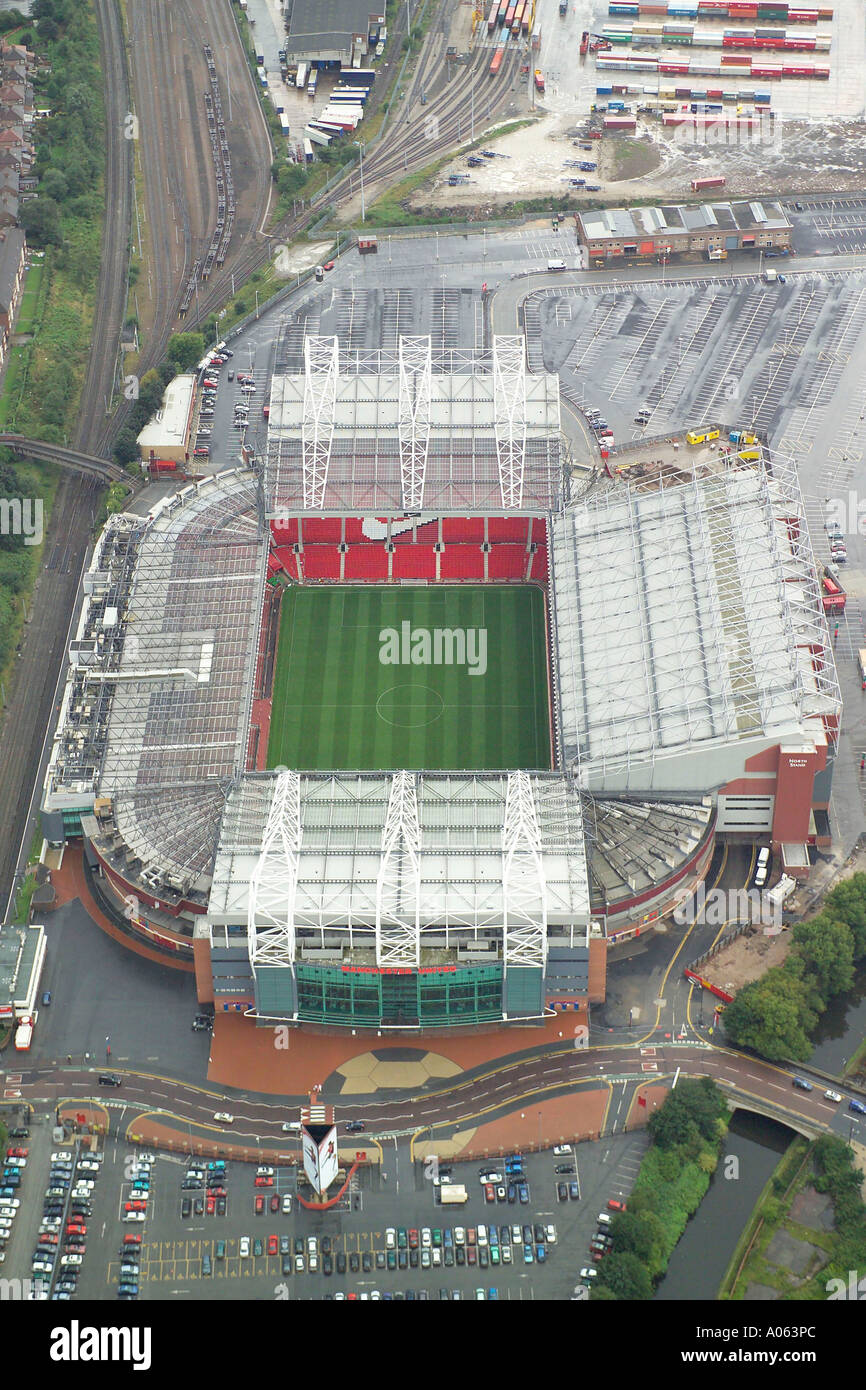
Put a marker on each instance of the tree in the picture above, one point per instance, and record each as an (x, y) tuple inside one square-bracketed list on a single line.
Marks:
[(626, 1276), (40, 219), (54, 185), (769, 1015), (185, 350), (672, 1126), (847, 901), (125, 449), (642, 1234), (826, 946), (48, 30)]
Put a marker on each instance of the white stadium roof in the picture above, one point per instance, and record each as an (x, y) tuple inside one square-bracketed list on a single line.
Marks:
[(687, 621)]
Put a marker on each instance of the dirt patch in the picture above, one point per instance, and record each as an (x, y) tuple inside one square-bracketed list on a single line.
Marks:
[(789, 1252), (624, 158), (761, 1293), (746, 959), (812, 1209)]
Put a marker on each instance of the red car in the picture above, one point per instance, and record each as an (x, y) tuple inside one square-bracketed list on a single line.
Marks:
[(489, 1192), (275, 1202), (78, 1249), (135, 1206), (17, 1153), (76, 1228), (210, 1206), (329, 265), (614, 1205), (264, 1182), (260, 1205), (132, 1240), (217, 1192), (413, 1239), (48, 1239), (273, 1245)]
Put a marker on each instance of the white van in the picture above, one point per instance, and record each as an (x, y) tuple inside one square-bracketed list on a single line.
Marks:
[(556, 265), (482, 1235), (763, 856)]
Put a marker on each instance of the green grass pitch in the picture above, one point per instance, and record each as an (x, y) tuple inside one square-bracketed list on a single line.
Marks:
[(337, 705)]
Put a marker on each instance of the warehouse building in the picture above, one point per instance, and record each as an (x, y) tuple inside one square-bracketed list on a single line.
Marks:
[(709, 228), (330, 31), (166, 436)]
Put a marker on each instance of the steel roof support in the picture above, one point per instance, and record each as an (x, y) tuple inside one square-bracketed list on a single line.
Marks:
[(321, 368), (523, 881), (414, 422), (509, 408), (398, 886), (271, 908)]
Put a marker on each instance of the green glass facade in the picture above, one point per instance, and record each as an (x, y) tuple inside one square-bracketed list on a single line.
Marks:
[(417, 999)]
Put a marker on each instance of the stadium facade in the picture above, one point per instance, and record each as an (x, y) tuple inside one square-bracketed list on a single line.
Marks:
[(692, 693)]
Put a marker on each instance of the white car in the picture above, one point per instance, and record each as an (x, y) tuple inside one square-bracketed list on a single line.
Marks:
[(223, 1117), (505, 1254), (312, 1245), (551, 1235), (437, 1256), (61, 1157), (491, 1177), (291, 1127), (832, 1095), (142, 1158), (9, 1213), (482, 1235), (85, 1166), (42, 1267), (264, 1172), (588, 1273), (12, 1202), (562, 1149), (68, 1261), (16, 1162), (426, 1237), (244, 1246), (459, 1235), (133, 1216), (287, 1203), (313, 1264), (300, 1267), (390, 1238)]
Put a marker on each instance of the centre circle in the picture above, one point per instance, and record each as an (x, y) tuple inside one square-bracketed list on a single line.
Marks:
[(410, 706)]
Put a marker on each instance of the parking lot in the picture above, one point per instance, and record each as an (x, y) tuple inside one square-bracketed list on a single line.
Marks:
[(389, 1237)]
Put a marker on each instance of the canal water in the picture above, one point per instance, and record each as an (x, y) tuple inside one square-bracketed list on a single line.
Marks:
[(842, 1029), (699, 1262)]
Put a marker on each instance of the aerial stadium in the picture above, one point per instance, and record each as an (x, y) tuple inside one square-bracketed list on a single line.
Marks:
[(396, 728)]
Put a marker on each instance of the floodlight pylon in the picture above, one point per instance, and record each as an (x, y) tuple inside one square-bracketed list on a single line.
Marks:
[(415, 359), (398, 886), (523, 882), (273, 885), (509, 400), (321, 369)]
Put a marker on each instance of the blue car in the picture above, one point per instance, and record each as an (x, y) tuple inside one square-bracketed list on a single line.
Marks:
[(540, 1254), (523, 1193), (857, 1106), (527, 1254), (46, 998)]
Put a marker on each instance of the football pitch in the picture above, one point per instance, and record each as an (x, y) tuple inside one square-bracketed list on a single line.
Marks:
[(447, 677)]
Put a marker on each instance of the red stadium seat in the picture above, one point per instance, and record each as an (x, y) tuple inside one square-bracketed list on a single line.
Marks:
[(463, 528), (285, 532), (462, 562), (508, 528), (366, 562), (321, 562), (316, 530), (538, 571), (507, 562), (414, 562)]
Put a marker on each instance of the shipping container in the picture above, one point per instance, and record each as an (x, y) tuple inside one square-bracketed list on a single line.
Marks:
[(284, 123), (509, 15), (301, 79), (518, 16), (308, 151), (496, 61), (491, 18), (699, 184), (318, 135), (357, 77)]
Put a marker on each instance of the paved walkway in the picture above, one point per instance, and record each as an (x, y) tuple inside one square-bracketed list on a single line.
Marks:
[(283, 1061), (70, 883)]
